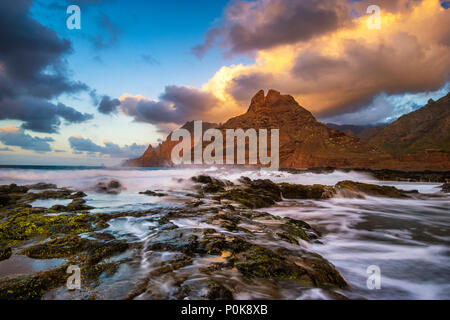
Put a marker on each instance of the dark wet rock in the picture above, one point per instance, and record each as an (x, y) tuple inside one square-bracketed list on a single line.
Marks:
[(47, 194), (240, 242), (35, 286), (57, 248), (41, 186), (195, 203), (263, 263), (297, 191), (254, 194), (64, 247), (78, 205), (114, 184), (300, 229), (153, 193), (209, 184), (58, 208), (5, 253), (410, 176), (446, 187), (13, 188), (385, 174), (111, 187), (357, 189), (4, 200), (216, 291), (78, 194), (313, 270)]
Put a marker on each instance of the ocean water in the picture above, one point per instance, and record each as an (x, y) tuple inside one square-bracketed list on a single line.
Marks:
[(408, 239)]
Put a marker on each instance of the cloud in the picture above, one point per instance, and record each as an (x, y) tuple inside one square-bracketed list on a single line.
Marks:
[(177, 105), (380, 111), (259, 25), (108, 105), (342, 70), (40, 115), (100, 41), (13, 136), (149, 59), (31, 55), (80, 145), (33, 71)]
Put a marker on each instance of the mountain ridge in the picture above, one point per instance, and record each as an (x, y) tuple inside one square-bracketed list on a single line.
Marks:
[(306, 142)]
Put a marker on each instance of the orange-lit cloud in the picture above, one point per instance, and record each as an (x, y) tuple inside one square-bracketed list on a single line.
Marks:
[(331, 66), (345, 69)]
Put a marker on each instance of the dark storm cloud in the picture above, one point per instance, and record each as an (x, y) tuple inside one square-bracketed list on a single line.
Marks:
[(31, 54), (12, 136), (32, 70), (257, 25), (38, 114), (79, 145), (176, 105), (108, 105)]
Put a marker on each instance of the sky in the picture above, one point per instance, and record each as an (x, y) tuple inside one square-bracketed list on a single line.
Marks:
[(136, 70)]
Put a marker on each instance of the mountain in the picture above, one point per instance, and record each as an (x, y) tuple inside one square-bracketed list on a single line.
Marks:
[(160, 156), (416, 141), (424, 130), (363, 132), (304, 142)]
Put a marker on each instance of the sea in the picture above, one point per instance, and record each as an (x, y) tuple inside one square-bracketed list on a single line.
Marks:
[(407, 240)]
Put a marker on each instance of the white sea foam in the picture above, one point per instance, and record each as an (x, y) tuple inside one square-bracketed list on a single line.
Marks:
[(407, 238)]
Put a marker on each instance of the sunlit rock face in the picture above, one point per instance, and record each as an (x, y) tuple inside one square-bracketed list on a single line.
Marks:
[(305, 142)]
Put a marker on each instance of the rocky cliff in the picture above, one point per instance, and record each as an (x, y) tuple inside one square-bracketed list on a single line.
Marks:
[(306, 142)]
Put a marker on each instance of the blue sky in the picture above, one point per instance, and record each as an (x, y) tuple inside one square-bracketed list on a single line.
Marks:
[(144, 50)]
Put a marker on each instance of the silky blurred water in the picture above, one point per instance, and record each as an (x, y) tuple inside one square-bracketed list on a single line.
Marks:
[(408, 239)]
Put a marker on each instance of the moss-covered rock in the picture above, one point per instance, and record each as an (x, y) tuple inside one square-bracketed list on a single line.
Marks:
[(47, 194), (308, 270), (41, 186), (31, 287), (209, 184), (5, 253), (91, 251), (13, 188), (254, 194), (25, 224), (216, 291), (263, 263), (355, 189), (57, 248), (153, 193)]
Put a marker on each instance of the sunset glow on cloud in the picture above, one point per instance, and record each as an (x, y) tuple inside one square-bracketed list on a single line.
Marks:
[(320, 51)]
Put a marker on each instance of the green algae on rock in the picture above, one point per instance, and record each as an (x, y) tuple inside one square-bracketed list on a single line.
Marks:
[(5, 253), (25, 224)]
